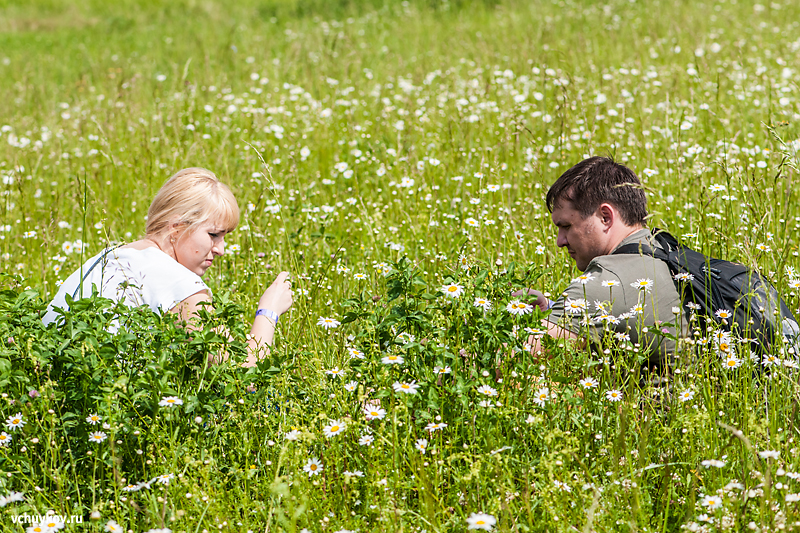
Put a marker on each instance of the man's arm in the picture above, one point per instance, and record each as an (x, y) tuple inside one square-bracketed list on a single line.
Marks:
[(554, 331)]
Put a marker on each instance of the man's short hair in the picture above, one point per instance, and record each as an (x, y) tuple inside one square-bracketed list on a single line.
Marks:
[(600, 180)]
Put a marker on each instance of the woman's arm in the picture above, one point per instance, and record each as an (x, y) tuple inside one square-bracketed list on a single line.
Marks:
[(277, 299)]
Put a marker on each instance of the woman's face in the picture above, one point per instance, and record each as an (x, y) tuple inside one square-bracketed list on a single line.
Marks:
[(196, 249)]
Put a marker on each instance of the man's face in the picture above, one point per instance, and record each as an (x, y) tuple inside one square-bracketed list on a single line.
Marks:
[(584, 238)]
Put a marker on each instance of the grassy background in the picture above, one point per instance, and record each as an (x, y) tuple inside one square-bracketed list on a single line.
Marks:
[(100, 102)]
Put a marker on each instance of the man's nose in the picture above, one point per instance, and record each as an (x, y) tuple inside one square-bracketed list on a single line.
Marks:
[(561, 240)]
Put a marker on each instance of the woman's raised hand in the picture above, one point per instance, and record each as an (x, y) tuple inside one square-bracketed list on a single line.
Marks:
[(278, 296)]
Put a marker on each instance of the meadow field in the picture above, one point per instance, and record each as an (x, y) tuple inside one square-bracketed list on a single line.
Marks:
[(382, 151)]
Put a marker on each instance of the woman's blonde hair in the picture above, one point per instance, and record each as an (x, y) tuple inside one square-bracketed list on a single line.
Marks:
[(192, 197)]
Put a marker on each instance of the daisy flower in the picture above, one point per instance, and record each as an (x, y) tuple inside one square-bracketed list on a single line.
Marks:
[(328, 323), (589, 383), (355, 354), (515, 307), (712, 502), (93, 419), (97, 436), (683, 277), (769, 454), (713, 462), (421, 445), (643, 284), (613, 395), (541, 396), (686, 395), (453, 290), (576, 306), (374, 413), (335, 372), (313, 467), (5, 439), (609, 283), (481, 521), (351, 386), (434, 426), (471, 222), (113, 527), (359, 276), (392, 360), (131, 488), (483, 303), (292, 435), (407, 388), (164, 479), (15, 422), (583, 279), (366, 440), (442, 370), (723, 314), (170, 401), (334, 428), (487, 390)]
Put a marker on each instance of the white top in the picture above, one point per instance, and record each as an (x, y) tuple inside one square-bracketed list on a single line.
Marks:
[(153, 279)]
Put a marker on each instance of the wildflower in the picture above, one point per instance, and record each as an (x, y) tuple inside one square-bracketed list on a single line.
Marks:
[(583, 279), (434, 426), (313, 467), (769, 454), (113, 527), (355, 354), (471, 222), (97, 436), (712, 502), (562, 486), (392, 360), (643, 284), (609, 283), (292, 435), (770, 360), (15, 422), (487, 390), (712, 462), (37, 528), (637, 309), (683, 276), (355, 473), (170, 401), (359, 276), (408, 388), (516, 307), (366, 440), (335, 372), (131, 488), (93, 419), (12, 497), (351, 386), (613, 395), (463, 262), (576, 306), (374, 413), (453, 290), (328, 323), (589, 383), (541, 396), (686, 395), (164, 479), (334, 428), (732, 362), (791, 498), (5, 439), (421, 445), (723, 314), (717, 188), (483, 303), (481, 521), (442, 370)]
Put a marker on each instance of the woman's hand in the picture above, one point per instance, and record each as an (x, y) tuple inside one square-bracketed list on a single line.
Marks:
[(278, 296)]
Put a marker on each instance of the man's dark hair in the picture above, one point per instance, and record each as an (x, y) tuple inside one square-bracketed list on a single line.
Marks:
[(600, 180)]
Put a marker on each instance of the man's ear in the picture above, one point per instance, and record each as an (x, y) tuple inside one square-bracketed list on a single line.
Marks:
[(607, 215)]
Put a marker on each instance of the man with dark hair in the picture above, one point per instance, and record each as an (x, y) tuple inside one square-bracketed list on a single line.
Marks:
[(621, 300)]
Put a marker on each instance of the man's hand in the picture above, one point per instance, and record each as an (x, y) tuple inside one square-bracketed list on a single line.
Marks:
[(542, 302)]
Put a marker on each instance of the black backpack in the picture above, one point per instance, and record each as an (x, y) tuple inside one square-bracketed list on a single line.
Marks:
[(712, 286)]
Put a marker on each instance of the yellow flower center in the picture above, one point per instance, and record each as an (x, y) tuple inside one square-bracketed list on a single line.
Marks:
[(334, 429)]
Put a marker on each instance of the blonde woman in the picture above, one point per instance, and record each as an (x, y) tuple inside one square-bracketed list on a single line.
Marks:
[(186, 228)]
